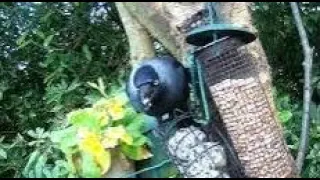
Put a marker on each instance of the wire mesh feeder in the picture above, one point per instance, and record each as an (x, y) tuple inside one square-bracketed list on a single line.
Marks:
[(198, 151), (234, 84)]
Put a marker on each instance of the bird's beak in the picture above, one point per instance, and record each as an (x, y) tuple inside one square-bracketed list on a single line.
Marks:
[(147, 102)]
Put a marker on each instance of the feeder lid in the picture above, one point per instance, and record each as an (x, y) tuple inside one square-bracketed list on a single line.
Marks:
[(205, 34)]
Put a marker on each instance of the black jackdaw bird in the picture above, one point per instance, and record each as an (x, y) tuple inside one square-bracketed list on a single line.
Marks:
[(158, 86)]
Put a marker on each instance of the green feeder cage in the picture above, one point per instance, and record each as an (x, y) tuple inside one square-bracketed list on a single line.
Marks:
[(232, 78)]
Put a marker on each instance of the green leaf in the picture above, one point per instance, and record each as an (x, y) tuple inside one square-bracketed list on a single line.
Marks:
[(135, 152), (85, 118), (92, 98), (21, 39), (24, 44), (285, 116), (315, 79), (74, 85), (33, 157), (72, 176), (47, 173), (86, 51), (67, 138), (140, 140), (89, 168), (40, 166), (292, 147), (93, 85), (32, 143), (2, 138), (136, 125), (31, 174), (100, 86), (45, 18), (41, 34), (3, 154), (31, 133), (48, 40), (56, 171), (61, 169)]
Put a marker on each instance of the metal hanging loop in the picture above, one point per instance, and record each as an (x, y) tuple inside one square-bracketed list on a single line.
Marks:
[(214, 30)]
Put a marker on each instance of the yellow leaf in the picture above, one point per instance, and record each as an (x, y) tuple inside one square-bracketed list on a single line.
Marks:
[(114, 134), (108, 142), (116, 109), (104, 161), (102, 108), (126, 138), (90, 142), (104, 120), (113, 106), (118, 101), (83, 132), (101, 105), (116, 112), (145, 154)]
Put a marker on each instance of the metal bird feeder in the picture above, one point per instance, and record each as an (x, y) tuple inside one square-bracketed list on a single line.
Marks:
[(232, 78), (247, 138), (197, 146)]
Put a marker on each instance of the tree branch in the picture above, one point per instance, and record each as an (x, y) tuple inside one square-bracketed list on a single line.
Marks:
[(308, 55), (164, 22)]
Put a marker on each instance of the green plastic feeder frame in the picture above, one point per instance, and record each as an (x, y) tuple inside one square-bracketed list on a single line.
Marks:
[(206, 34)]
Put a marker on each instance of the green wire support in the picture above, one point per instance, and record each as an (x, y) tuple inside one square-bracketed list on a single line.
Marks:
[(204, 99), (212, 15), (198, 86)]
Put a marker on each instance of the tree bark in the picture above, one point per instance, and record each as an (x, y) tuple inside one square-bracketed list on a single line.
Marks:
[(140, 42), (165, 22)]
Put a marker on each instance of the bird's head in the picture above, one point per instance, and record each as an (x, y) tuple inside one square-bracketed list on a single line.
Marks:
[(149, 86), (149, 94)]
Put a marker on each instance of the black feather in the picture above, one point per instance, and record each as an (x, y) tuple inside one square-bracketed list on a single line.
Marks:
[(144, 75)]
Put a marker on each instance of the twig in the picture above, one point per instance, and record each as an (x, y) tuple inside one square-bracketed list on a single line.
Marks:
[(148, 169), (308, 55)]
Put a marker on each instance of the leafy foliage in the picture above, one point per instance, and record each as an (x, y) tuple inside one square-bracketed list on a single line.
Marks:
[(281, 42), (280, 38), (290, 114), (92, 134), (49, 51)]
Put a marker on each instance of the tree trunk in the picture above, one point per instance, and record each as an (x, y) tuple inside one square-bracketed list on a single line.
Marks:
[(140, 42), (165, 21), (169, 21)]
